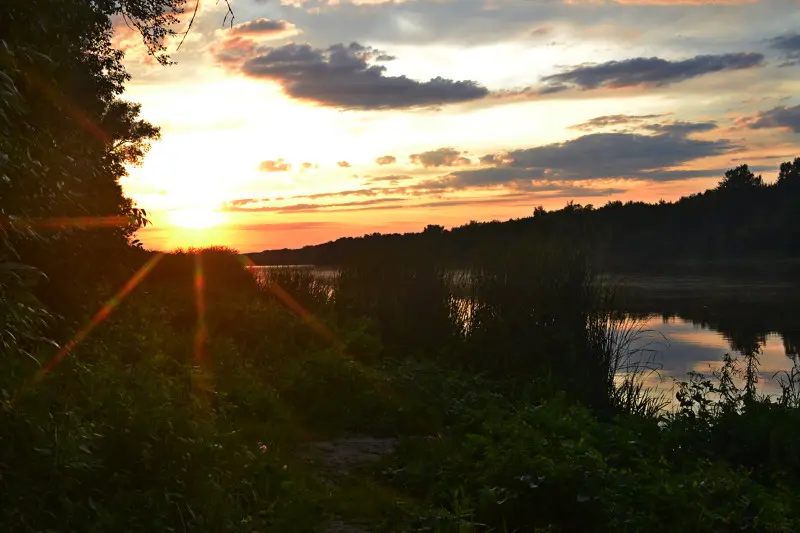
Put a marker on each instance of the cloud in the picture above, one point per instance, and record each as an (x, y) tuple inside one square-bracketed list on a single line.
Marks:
[(789, 46), (346, 76), (306, 207), (541, 31), (343, 164), (595, 156), (287, 226), (277, 165), (646, 72), (307, 165), (231, 51), (567, 169), (535, 193), (241, 42), (612, 120), (394, 178), (778, 117), (441, 157), (262, 27), (386, 160), (479, 22), (681, 128)]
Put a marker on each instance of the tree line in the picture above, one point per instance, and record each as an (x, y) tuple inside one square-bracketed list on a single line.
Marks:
[(743, 217)]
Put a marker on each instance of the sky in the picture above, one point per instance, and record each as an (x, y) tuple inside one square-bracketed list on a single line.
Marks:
[(309, 120)]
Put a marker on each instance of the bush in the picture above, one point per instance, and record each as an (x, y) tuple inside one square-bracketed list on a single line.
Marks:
[(555, 467), (336, 394)]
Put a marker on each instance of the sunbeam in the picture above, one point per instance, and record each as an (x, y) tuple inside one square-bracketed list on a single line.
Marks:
[(200, 302), (202, 375), (305, 315), (101, 315), (80, 222)]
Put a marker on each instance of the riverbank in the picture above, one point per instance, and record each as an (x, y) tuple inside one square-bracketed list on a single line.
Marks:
[(231, 405)]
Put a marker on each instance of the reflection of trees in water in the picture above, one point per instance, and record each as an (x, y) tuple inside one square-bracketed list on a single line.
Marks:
[(791, 342), (745, 342), (744, 326)]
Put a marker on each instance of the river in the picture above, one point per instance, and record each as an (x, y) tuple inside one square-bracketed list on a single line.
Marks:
[(687, 324)]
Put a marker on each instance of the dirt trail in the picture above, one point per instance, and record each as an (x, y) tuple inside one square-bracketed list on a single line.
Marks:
[(339, 457), (344, 454)]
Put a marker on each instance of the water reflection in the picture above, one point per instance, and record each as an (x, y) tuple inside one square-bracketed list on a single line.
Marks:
[(688, 324), (678, 346)]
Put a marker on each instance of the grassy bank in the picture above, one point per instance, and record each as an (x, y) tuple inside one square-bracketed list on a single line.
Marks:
[(191, 405)]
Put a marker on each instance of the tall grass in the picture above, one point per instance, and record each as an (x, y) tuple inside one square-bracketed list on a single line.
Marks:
[(534, 313), (408, 297), (628, 353)]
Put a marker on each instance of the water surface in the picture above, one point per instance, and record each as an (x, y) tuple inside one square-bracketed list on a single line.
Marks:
[(689, 323), (677, 346)]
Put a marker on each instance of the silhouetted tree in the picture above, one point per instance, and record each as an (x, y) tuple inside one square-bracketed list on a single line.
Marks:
[(740, 178), (763, 221), (66, 135), (433, 229), (789, 174)]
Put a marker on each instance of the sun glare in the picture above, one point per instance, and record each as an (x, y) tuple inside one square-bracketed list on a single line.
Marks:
[(196, 218)]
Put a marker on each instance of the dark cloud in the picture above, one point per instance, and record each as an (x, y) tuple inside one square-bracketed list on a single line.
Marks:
[(261, 27), (277, 165), (602, 155), (681, 128), (495, 159), (386, 160), (343, 164), (646, 72), (612, 120), (778, 117), (346, 76), (594, 156), (441, 157), (789, 46), (541, 31)]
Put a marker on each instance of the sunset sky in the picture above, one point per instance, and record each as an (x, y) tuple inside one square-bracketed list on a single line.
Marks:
[(312, 120)]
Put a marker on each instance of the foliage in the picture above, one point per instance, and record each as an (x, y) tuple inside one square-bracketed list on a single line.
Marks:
[(716, 412), (554, 467), (740, 179), (65, 140), (148, 425), (132, 432), (408, 295)]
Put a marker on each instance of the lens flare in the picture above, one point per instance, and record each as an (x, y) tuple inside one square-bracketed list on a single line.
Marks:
[(80, 222), (202, 376), (101, 315), (295, 306), (200, 302)]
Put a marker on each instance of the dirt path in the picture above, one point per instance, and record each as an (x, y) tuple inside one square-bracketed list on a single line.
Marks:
[(344, 454), (338, 458)]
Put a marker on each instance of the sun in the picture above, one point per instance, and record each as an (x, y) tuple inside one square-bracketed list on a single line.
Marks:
[(196, 218)]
